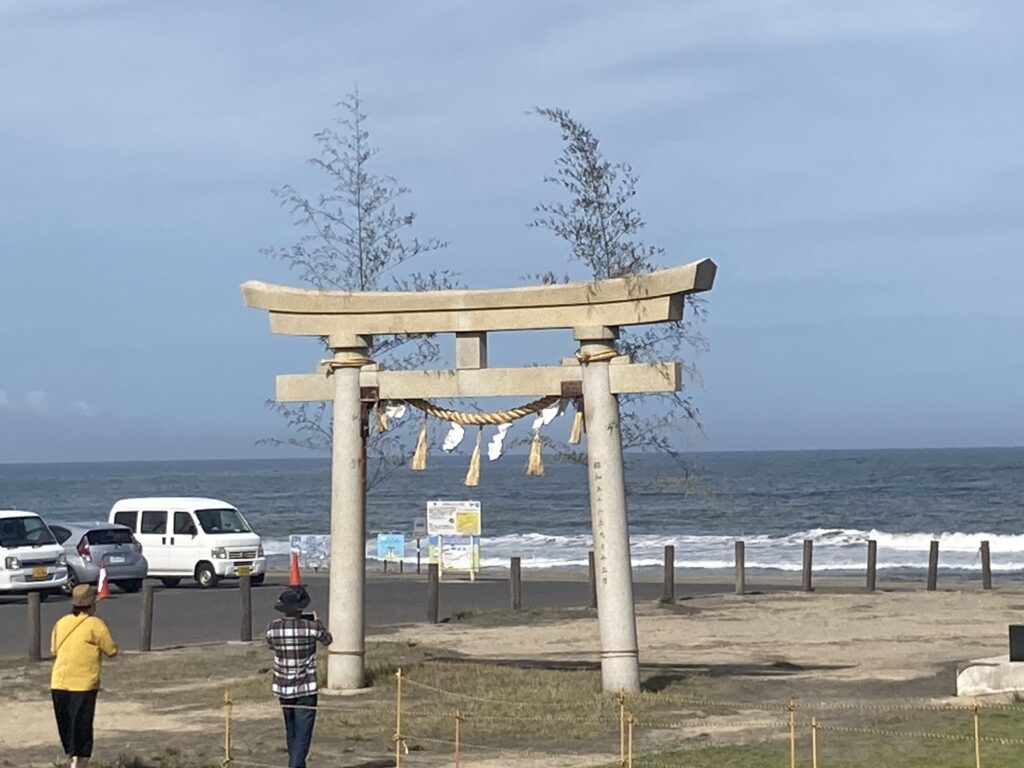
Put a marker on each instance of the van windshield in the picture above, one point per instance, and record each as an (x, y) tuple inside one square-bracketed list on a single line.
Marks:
[(24, 532), (222, 521)]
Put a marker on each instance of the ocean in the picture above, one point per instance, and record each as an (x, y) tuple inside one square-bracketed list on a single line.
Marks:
[(772, 500)]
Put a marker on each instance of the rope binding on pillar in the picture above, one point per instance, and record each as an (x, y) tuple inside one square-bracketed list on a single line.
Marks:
[(603, 356), (352, 360)]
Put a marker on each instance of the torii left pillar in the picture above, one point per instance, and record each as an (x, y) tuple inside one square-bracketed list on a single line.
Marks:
[(346, 656)]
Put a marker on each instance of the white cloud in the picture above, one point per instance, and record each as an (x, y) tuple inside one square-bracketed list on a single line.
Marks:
[(37, 402), (80, 408)]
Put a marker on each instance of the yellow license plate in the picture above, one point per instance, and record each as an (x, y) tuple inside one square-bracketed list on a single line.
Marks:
[(244, 570), (39, 573)]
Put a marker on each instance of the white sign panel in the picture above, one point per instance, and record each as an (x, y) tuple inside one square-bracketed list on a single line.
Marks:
[(453, 518)]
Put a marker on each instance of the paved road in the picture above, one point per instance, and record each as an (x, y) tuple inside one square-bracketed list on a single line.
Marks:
[(187, 614)]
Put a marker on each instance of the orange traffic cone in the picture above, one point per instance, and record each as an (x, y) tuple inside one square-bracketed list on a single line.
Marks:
[(103, 587), (296, 577)]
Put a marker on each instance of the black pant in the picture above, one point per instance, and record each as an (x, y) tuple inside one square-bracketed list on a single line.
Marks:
[(74, 711), (299, 719)]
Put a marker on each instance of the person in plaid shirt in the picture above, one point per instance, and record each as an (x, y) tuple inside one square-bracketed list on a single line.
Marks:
[(293, 637)]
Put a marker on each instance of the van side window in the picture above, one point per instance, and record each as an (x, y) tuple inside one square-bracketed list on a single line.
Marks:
[(183, 524), (153, 522), (127, 518)]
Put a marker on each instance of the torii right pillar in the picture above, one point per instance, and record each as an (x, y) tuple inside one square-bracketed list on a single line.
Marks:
[(620, 658)]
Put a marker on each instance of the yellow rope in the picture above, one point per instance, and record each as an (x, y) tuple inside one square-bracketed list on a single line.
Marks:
[(466, 418), (596, 357), (351, 361)]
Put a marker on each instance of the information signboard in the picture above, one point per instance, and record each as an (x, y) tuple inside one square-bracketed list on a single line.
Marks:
[(391, 546), (453, 518), (454, 553)]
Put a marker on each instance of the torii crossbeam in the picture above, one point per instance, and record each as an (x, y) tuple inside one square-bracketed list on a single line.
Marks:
[(593, 311)]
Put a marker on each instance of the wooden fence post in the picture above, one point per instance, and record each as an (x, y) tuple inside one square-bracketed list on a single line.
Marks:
[(872, 564), (668, 594), (433, 590), (515, 577), (245, 589), (146, 629), (986, 566), (34, 630), (933, 566), (808, 585), (741, 568)]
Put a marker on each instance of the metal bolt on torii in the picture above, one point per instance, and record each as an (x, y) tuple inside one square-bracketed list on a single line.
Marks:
[(593, 311)]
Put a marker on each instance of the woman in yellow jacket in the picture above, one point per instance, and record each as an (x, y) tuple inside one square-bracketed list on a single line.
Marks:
[(79, 642)]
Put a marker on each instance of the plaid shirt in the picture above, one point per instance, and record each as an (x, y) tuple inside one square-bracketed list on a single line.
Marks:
[(294, 644)]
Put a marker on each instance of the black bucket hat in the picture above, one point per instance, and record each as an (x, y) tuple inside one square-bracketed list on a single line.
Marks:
[(292, 600)]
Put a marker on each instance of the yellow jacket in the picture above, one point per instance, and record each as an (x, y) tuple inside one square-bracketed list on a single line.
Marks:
[(77, 642)]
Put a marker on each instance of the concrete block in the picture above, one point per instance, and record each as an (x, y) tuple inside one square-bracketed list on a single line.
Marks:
[(987, 676), (470, 351)]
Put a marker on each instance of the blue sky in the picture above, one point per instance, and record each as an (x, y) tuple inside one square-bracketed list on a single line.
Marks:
[(855, 168)]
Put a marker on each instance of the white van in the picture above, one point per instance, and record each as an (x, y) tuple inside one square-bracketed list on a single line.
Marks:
[(195, 538), (32, 559)]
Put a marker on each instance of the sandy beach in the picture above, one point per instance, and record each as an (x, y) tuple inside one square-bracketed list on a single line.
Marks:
[(837, 644)]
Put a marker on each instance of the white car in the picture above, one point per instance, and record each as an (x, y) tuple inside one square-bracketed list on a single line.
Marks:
[(32, 559), (196, 538)]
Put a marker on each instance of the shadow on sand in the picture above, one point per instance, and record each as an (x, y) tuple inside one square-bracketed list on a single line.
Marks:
[(659, 676)]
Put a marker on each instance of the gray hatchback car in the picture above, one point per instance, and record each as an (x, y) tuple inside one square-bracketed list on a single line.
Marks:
[(88, 545)]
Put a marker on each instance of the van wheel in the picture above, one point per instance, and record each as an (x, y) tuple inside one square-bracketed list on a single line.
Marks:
[(130, 585), (206, 576), (257, 580), (171, 582)]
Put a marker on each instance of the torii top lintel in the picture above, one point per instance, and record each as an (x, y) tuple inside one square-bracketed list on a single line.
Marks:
[(656, 297)]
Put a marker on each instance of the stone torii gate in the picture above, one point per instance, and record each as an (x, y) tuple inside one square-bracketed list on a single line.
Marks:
[(592, 311)]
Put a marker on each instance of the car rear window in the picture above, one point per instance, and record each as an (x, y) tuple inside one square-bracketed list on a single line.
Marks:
[(109, 536)]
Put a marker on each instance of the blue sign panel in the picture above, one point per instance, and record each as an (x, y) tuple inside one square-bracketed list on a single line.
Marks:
[(391, 546)]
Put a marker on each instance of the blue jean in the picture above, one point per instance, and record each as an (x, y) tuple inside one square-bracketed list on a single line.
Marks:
[(299, 719)]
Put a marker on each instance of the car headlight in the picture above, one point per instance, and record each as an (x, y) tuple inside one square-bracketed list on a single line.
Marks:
[(259, 551), (12, 563), (62, 559), (219, 553)]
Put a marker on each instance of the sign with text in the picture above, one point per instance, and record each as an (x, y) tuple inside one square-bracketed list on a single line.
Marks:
[(391, 546), (455, 553), (453, 518)]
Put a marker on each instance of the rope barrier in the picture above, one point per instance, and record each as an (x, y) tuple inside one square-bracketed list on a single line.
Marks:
[(517, 751), (601, 714), (920, 734), (847, 706)]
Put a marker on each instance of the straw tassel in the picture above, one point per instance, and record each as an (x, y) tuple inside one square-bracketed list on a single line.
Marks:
[(382, 419), (473, 476), (578, 426), (419, 459), (536, 465)]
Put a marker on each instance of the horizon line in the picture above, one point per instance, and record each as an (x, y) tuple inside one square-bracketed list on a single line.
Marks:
[(554, 458)]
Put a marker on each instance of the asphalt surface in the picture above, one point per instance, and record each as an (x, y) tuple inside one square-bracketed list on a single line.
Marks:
[(187, 615)]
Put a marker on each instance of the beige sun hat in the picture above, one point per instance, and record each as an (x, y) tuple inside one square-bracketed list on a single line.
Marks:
[(83, 596)]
